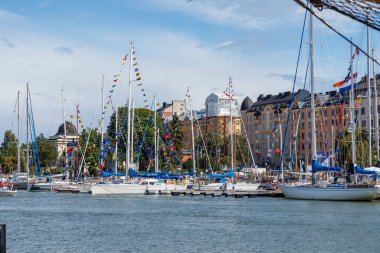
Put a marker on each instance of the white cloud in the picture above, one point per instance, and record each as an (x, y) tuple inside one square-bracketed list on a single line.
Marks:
[(245, 13)]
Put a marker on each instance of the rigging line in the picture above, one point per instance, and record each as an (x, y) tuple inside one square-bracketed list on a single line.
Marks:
[(334, 30), (14, 114), (302, 99), (294, 84)]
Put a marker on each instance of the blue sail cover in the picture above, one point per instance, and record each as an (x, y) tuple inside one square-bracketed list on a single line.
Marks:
[(317, 167), (359, 170), (110, 174), (228, 174), (158, 175)]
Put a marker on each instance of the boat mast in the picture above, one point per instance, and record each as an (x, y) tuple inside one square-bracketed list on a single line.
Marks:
[(132, 131), (64, 139), (27, 130), (352, 123), (18, 133), (246, 137), (376, 111), (192, 129), (231, 125), (369, 102), (117, 136), (77, 146), (313, 128), (155, 136), (101, 122), (127, 159)]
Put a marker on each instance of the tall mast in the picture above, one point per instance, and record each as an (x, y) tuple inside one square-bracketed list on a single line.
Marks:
[(192, 129), (376, 111), (77, 146), (231, 125), (369, 102), (102, 119), (280, 131), (127, 159), (27, 130), (246, 137), (352, 115), (155, 136), (313, 128), (18, 133), (117, 136), (64, 139), (132, 130)]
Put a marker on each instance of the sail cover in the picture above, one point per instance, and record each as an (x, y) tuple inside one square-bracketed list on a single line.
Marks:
[(366, 171), (228, 174), (317, 167)]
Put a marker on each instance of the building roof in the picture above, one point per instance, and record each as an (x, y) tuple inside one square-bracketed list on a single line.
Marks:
[(247, 104), (70, 129)]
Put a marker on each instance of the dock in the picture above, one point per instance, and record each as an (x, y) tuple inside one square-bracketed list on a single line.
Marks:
[(236, 194)]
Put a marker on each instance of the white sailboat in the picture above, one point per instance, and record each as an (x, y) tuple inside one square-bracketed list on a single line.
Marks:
[(127, 188), (325, 191)]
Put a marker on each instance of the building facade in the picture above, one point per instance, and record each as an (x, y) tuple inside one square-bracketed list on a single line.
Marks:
[(266, 124), (168, 110)]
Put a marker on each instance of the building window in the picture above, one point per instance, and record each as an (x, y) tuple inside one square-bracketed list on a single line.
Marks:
[(302, 136), (362, 111), (364, 123)]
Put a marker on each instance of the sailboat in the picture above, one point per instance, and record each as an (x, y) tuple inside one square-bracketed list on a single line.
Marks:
[(19, 180), (127, 187), (223, 184), (322, 191)]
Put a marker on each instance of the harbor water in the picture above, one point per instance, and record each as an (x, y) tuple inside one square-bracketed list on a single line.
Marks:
[(52, 222)]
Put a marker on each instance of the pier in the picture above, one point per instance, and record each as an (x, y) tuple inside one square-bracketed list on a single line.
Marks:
[(236, 194)]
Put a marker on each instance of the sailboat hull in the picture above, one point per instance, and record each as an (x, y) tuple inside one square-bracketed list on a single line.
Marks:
[(40, 187), (329, 193), (118, 189)]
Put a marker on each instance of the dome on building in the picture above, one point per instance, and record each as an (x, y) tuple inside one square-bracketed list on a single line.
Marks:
[(70, 129), (247, 104)]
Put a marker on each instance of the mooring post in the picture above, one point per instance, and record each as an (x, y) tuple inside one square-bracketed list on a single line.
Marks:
[(3, 239)]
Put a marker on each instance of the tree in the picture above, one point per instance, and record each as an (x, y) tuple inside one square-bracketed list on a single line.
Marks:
[(143, 144), (177, 135), (92, 152), (8, 152), (48, 154), (345, 153)]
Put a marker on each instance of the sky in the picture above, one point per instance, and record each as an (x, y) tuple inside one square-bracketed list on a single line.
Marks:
[(179, 43)]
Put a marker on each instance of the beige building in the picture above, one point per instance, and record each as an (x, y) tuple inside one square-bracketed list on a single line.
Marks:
[(264, 119), (59, 143), (167, 110), (214, 120)]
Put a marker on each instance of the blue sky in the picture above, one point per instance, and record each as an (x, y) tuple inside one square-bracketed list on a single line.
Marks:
[(50, 43)]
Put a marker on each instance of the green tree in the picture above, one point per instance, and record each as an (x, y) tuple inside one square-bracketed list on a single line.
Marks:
[(177, 135), (8, 152), (93, 149), (345, 153), (142, 118), (48, 154)]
